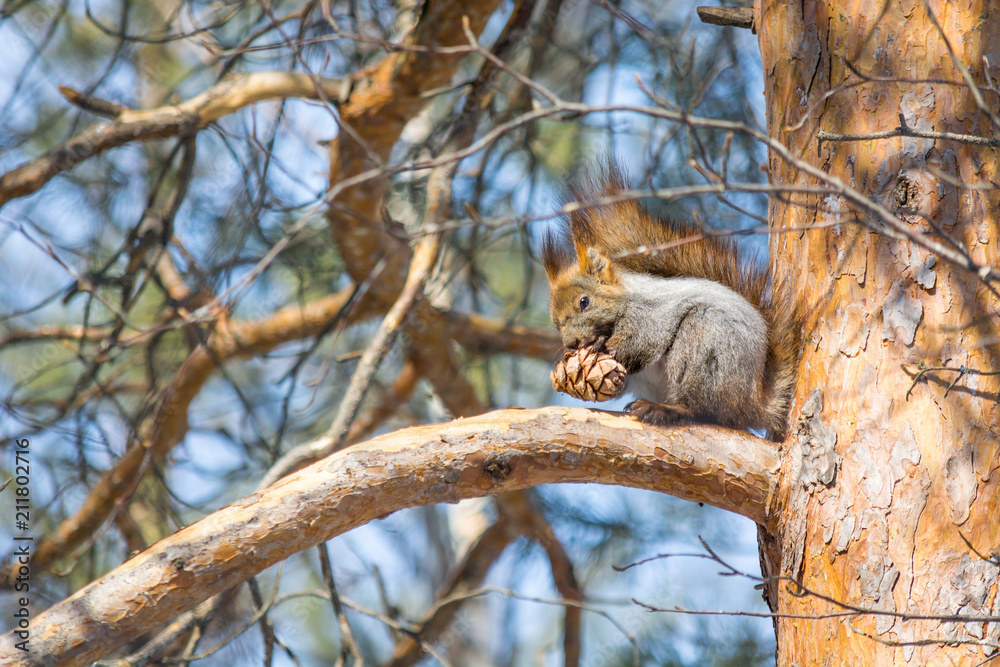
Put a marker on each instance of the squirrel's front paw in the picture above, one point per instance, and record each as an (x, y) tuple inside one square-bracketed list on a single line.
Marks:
[(658, 414)]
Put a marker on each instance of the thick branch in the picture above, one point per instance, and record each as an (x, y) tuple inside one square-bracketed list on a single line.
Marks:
[(226, 97), (496, 452)]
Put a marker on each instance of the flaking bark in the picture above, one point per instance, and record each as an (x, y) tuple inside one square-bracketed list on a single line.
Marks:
[(892, 489)]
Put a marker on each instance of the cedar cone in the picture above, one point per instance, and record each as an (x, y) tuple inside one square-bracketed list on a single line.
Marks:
[(589, 374)]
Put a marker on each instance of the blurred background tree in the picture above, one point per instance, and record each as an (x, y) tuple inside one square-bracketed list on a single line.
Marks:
[(188, 290)]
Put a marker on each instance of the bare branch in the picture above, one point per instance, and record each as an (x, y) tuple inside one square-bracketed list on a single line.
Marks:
[(483, 335), (922, 369), (348, 645), (384, 99), (905, 131), (467, 576), (226, 97)]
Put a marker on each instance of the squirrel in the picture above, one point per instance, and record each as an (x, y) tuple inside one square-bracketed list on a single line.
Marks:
[(704, 334)]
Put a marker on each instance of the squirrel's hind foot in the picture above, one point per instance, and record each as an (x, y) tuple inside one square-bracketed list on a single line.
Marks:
[(658, 414)]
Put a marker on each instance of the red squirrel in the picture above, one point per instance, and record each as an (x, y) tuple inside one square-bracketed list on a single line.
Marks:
[(702, 332)]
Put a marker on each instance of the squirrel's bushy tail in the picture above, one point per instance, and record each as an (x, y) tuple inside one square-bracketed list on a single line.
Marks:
[(783, 316)]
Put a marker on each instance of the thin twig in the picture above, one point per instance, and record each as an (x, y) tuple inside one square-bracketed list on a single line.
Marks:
[(962, 371), (800, 591), (348, 645), (905, 131)]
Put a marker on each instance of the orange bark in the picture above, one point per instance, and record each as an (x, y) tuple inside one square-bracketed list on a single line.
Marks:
[(915, 477)]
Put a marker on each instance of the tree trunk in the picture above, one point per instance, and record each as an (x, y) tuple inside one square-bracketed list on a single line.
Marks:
[(891, 485)]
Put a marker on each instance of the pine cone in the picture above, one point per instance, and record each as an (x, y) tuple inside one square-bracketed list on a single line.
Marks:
[(588, 374)]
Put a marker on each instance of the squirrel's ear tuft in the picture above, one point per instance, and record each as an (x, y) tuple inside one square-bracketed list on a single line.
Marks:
[(596, 265), (555, 258)]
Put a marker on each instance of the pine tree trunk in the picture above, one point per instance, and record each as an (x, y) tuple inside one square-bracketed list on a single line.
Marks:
[(893, 496)]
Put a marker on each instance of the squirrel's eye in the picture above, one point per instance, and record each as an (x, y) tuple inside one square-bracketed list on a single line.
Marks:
[(584, 302)]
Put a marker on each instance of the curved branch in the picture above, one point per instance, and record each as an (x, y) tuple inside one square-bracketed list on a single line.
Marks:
[(241, 339), (226, 97), (496, 452), (424, 258)]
